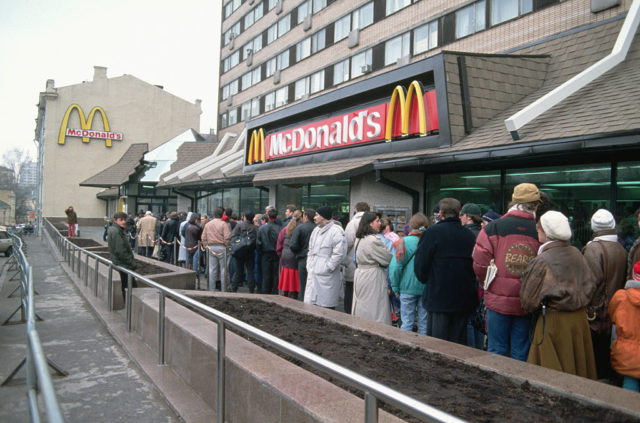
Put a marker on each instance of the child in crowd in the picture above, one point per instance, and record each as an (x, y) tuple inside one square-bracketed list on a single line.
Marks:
[(624, 310)]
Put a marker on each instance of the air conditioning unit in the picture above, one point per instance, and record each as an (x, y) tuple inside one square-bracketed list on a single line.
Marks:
[(354, 38), (279, 7), (249, 53), (306, 24), (276, 77), (230, 100), (365, 69)]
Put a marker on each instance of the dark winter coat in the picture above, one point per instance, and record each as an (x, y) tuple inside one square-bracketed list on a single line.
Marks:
[(443, 263), (120, 248), (170, 230), (268, 237), (300, 239)]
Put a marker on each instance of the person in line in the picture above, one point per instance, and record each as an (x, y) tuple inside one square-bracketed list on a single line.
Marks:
[(489, 217), (266, 244), (608, 261), (403, 278), (72, 222), (624, 311), (470, 218), (300, 246), (288, 213), (349, 266), (192, 238), (386, 229), (289, 283), (183, 254), (257, 269), (107, 224), (512, 242), (147, 234), (560, 284), (370, 299), (215, 236), (443, 263), (120, 251), (132, 229), (169, 236), (634, 250), (327, 249), (245, 260)]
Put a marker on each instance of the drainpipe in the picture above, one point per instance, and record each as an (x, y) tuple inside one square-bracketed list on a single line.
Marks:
[(415, 195), (617, 55)]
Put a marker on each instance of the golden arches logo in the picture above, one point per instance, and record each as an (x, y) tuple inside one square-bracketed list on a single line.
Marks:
[(256, 152), (412, 111), (86, 132)]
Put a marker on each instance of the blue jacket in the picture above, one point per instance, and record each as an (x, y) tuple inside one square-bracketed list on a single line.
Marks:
[(443, 263), (403, 278)]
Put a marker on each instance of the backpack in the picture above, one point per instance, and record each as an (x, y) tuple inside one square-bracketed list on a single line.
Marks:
[(243, 243)]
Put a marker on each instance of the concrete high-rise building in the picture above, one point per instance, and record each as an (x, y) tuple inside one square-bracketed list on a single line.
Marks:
[(29, 174)]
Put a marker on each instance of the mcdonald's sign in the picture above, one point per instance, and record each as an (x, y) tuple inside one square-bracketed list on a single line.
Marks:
[(409, 112), (86, 132)]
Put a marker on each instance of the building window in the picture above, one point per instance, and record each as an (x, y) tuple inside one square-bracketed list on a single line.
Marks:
[(270, 101), (271, 4), (272, 33), (253, 15), (246, 80), (270, 67), (284, 25), (230, 61), (251, 78), (223, 120), (282, 60), (394, 5), (318, 41), (252, 46), (341, 28), (396, 48), (470, 19), (255, 107), (231, 7), (425, 37), (245, 111), (303, 49), (341, 72), (627, 195), (302, 88), (282, 96), (317, 82), (304, 9), (231, 33), (363, 17), (503, 10), (233, 117), (230, 89), (318, 5), (361, 64)]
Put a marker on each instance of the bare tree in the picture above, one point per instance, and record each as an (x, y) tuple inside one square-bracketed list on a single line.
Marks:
[(13, 162)]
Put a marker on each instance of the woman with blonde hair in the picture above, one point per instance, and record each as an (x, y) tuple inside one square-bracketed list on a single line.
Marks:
[(289, 283)]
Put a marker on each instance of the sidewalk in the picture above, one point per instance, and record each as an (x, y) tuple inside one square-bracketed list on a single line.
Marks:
[(103, 384)]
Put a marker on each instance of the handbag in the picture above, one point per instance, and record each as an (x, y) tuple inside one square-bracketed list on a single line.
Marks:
[(492, 271), (156, 250), (242, 244), (478, 318), (597, 314)]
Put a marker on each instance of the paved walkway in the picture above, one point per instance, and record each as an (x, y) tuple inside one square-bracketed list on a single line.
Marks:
[(103, 384)]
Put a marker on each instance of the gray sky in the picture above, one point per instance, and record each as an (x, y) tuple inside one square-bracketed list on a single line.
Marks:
[(165, 42)]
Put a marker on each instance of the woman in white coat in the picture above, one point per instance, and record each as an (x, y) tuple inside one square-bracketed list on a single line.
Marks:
[(370, 296)]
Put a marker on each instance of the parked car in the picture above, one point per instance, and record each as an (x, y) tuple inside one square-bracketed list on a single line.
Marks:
[(5, 243)]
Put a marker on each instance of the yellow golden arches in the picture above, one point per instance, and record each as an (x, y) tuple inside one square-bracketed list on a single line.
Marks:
[(256, 147), (404, 101), (84, 124)]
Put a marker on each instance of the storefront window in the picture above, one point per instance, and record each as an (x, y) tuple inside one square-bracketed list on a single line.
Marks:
[(576, 191), (254, 199), (628, 201), (239, 199), (303, 196), (482, 188), (289, 194)]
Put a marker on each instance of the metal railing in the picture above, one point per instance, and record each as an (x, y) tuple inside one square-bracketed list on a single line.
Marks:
[(373, 391), (37, 364)]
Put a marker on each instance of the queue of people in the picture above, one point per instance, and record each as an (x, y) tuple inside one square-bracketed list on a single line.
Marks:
[(512, 285)]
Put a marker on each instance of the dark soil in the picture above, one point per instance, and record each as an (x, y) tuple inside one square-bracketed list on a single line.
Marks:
[(84, 242), (142, 267), (457, 388)]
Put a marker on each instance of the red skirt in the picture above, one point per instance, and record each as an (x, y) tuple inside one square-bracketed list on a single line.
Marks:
[(289, 280)]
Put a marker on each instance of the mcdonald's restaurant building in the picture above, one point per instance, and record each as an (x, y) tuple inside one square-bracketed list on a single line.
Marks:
[(86, 127), (404, 139)]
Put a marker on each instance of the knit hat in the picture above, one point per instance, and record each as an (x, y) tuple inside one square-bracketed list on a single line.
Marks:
[(602, 220), (471, 209), (556, 226), (325, 211), (490, 216), (635, 275), (525, 193)]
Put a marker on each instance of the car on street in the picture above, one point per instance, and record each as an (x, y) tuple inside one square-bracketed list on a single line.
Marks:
[(5, 242)]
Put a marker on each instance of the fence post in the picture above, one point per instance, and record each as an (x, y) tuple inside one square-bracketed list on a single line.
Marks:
[(128, 305), (95, 279), (79, 262), (161, 304), (221, 375), (110, 287), (370, 408), (86, 270)]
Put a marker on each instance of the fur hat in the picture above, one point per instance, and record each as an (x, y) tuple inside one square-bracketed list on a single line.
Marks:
[(602, 220), (325, 211), (525, 193), (556, 226)]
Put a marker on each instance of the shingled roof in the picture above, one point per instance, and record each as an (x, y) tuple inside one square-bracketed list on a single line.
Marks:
[(120, 172)]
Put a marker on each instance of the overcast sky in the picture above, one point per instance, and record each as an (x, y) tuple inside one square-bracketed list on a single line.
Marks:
[(164, 42)]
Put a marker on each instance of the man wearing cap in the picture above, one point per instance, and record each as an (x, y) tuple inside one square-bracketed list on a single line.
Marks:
[(327, 249), (608, 261), (512, 242), (470, 218), (489, 217)]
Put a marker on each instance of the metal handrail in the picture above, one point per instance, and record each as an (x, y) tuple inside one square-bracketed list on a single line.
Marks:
[(373, 390), (38, 376)]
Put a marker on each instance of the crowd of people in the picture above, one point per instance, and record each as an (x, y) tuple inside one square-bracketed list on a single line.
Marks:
[(512, 285)]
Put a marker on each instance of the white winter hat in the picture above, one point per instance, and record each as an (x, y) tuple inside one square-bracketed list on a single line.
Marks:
[(602, 220), (556, 226)]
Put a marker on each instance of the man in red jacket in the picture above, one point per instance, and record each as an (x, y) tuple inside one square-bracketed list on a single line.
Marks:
[(512, 242)]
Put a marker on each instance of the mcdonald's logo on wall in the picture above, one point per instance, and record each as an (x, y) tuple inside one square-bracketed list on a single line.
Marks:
[(86, 132), (410, 112)]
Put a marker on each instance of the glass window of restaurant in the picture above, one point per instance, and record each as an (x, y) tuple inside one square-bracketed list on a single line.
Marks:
[(482, 188), (239, 199), (628, 201), (334, 194)]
